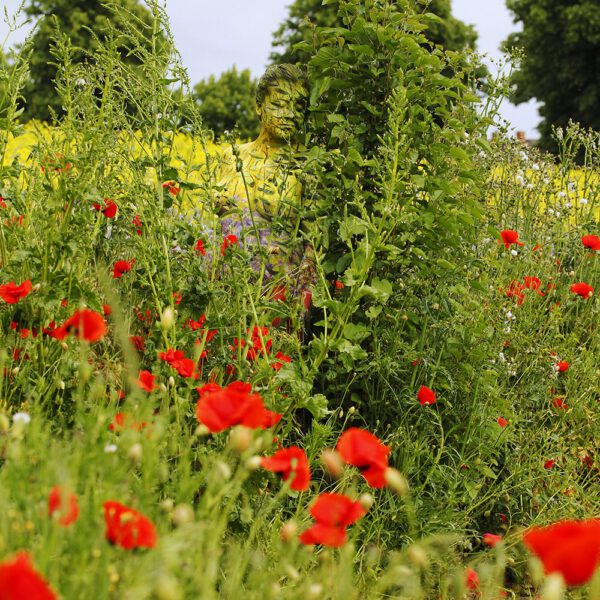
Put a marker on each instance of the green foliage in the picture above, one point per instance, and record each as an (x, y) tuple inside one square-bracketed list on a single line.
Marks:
[(306, 15), (86, 25), (561, 40), (228, 102)]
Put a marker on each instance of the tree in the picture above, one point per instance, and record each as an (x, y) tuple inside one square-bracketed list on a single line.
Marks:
[(227, 102), (306, 15), (561, 40), (75, 18)]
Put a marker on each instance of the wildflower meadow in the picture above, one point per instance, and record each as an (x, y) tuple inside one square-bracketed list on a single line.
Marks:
[(421, 423)]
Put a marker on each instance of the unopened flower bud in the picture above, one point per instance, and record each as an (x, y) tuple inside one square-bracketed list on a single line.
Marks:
[(171, 381), (289, 530), (253, 463), (36, 287), (61, 385), (167, 319), (332, 462), (167, 588), (315, 590), (135, 453), (240, 438), (418, 557), (202, 430), (167, 504), (366, 501), (15, 371), (182, 514), (64, 345), (396, 481), (224, 469), (554, 587), (351, 410)]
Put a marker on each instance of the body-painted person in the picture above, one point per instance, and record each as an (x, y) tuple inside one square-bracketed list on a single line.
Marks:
[(261, 198)]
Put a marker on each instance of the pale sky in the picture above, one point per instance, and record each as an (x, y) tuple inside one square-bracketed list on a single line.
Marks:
[(213, 35)]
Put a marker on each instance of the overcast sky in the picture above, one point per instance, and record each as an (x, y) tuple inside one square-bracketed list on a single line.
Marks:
[(213, 35)]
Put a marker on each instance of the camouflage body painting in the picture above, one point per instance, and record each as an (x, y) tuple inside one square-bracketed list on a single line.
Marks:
[(261, 195)]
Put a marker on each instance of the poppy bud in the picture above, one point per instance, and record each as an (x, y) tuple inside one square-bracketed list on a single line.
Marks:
[(224, 469), (289, 530), (332, 462), (64, 345), (36, 287), (418, 557), (167, 588), (135, 453), (202, 430), (554, 587), (167, 319), (240, 439), (182, 514), (253, 463), (352, 410), (315, 590), (396, 481), (15, 371), (366, 501), (171, 381), (167, 504), (61, 385)]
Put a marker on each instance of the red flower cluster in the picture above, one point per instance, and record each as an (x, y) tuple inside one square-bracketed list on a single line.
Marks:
[(128, 528), (571, 548), (186, 367), (63, 505), (281, 358), (332, 514), (363, 450), (121, 267), (229, 240), (260, 343), (509, 237), (124, 421), (288, 461), (145, 381), (491, 539), (20, 581), (109, 210), (199, 248), (137, 223), (220, 408), (515, 289), (171, 187), (85, 324), (11, 293)]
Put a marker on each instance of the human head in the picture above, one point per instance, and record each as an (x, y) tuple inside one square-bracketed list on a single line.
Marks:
[(281, 98)]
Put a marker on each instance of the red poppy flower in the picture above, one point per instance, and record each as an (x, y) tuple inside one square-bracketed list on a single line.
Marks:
[(515, 290), (171, 187), (339, 285), (426, 395), (582, 289), (229, 240), (106, 310), (560, 404), (282, 358), (20, 581), (288, 461), (233, 405), (124, 421), (11, 293), (177, 298), (536, 248), (534, 283), (146, 381), (185, 367), (510, 236), (199, 248), (85, 324), (138, 342), (122, 266), (137, 224), (571, 548), (64, 504), (549, 464), (471, 579), (591, 241), (562, 366), (365, 451), (491, 539), (128, 528), (306, 299), (502, 422), (171, 355), (332, 513), (109, 210)]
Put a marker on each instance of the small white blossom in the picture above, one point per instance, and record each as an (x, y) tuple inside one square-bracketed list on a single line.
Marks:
[(523, 155), (535, 167), (550, 211), (110, 448), (530, 186), (520, 180), (514, 253), (562, 194), (583, 201)]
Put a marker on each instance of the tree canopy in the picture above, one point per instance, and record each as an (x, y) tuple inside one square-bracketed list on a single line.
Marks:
[(305, 15), (76, 19), (228, 101), (561, 67)]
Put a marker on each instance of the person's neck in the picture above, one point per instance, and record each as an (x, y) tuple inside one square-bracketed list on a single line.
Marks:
[(267, 143)]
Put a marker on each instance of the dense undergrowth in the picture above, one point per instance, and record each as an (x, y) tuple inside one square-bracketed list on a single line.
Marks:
[(406, 206)]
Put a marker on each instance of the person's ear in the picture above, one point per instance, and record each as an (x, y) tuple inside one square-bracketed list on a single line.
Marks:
[(259, 110)]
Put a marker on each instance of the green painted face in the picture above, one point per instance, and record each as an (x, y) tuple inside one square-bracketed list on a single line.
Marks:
[(282, 111)]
